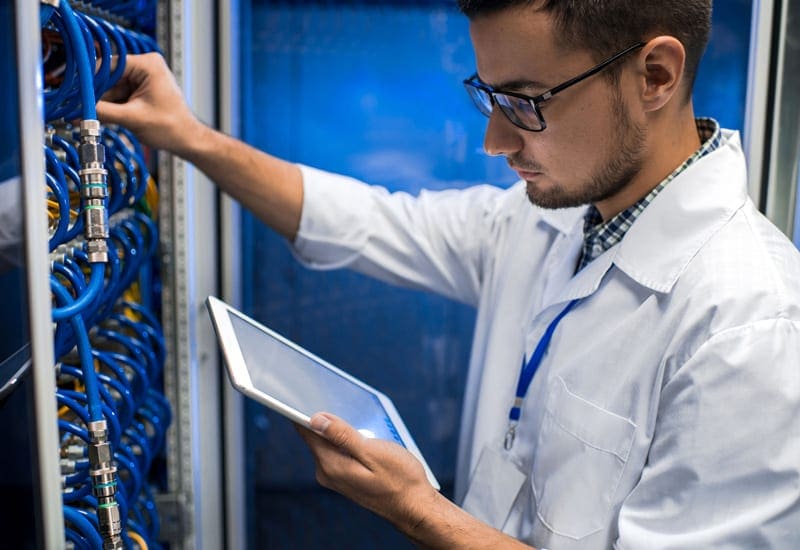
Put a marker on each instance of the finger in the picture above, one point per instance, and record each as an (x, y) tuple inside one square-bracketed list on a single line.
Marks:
[(118, 93), (340, 434), (136, 72), (111, 113), (334, 466)]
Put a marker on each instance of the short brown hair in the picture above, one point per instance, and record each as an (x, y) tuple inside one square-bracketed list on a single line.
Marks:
[(605, 27)]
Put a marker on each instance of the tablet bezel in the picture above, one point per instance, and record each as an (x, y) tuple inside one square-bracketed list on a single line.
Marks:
[(241, 380)]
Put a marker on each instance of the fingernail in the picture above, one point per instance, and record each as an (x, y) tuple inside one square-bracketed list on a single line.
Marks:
[(319, 423)]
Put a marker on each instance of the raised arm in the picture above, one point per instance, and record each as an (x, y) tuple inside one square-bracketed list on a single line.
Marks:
[(148, 101)]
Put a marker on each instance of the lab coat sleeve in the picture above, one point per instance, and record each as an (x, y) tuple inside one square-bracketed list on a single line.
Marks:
[(437, 241), (724, 464), (11, 253)]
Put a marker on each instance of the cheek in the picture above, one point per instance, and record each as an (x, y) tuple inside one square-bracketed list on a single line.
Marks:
[(578, 141)]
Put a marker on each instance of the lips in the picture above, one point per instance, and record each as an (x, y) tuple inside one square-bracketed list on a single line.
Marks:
[(527, 175)]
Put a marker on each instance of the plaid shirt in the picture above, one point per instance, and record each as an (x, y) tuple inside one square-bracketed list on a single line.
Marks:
[(599, 236)]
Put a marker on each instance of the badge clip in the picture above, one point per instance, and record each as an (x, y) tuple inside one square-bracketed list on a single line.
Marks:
[(511, 434)]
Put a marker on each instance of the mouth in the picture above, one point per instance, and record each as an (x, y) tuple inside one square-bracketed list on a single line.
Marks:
[(526, 170), (527, 175)]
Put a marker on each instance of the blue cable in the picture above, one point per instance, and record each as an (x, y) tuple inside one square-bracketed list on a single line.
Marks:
[(108, 412), (74, 307), (73, 429), (91, 501), (135, 349), (77, 408), (145, 312), (128, 464), (118, 49), (145, 457), (75, 280), (152, 513), (154, 440), (124, 392), (121, 383), (55, 98), (104, 70), (84, 350), (62, 227), (85, 72), (152, 233), (78, 478), (77, 227), (78, 540), (69, 151), (77, 495), (141, 378), (146, 334), (137, 384)]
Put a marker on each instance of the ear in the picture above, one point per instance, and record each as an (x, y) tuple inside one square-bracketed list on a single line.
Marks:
[(664, 62)]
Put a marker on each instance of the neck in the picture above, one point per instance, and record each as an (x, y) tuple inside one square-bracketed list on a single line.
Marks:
[(671, 140)]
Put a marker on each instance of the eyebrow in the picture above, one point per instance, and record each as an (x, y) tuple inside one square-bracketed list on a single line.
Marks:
[(516, 85)]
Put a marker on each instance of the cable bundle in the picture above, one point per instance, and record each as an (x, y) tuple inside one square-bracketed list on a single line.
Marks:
[(65, 36), (101, 203)]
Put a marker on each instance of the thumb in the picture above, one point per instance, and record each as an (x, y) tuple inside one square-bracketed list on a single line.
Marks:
[(338, 433)]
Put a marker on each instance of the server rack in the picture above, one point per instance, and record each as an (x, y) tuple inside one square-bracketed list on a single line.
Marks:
[(204, 446)]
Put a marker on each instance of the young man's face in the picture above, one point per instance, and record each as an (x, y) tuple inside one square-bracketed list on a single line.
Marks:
[(593, 145)]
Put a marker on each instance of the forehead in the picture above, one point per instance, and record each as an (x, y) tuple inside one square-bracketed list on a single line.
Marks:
[(516, 44)]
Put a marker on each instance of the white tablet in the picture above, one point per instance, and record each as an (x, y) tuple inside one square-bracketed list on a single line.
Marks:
[(274, 371)]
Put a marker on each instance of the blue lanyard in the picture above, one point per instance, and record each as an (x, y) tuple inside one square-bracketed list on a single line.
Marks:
[(528, 372)]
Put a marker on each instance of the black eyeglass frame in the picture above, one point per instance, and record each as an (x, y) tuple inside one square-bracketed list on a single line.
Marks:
[(535, 101)]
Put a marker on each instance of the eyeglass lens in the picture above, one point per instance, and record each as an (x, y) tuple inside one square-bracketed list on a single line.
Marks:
[(518, 110)]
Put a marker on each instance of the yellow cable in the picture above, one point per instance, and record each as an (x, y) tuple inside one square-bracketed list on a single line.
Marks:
[(79, 388), (137, 538), (151, 195), (54, 205)]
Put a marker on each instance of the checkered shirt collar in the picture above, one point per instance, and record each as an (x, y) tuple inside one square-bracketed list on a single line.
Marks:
[(599, 236)]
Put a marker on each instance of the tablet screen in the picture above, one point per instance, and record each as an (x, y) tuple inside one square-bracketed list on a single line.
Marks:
[(307, 385)]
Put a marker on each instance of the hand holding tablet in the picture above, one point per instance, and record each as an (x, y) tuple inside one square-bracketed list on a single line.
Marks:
[(294, 382)]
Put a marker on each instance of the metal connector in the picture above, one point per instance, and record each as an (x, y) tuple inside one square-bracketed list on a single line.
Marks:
[(73, 452), (90, 128), (96, 220), (97, 251), (67, 467), (104, 485)]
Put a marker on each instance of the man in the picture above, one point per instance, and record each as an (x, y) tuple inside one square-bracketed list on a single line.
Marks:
[(661, 321)]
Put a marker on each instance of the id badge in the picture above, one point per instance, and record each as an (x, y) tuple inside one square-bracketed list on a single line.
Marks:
[(495, 484)]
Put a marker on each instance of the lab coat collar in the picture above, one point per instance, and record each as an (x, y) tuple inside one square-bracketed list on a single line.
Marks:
[(666, 236), (563, 220), (684, 216)]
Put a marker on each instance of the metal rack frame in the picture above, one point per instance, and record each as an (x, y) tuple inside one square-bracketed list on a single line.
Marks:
[(42, 355), (773, 124), (189, 272)]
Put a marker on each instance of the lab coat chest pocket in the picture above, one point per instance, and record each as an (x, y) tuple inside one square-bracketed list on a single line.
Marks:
[(580, 455)]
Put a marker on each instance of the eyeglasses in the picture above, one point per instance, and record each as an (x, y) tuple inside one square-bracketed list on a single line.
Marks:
[(522, 110)]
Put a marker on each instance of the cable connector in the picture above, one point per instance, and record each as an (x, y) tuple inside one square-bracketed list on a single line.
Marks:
[(104, 485), (97, 250), (90, 128), (67, 467), (94, 190)]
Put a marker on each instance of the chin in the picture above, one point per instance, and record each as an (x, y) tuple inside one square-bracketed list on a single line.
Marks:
[(553, 198)]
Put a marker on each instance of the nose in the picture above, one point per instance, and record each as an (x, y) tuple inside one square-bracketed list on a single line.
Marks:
[(502, 138)]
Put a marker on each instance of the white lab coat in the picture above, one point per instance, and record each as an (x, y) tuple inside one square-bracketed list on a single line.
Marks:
[(666, 413)]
